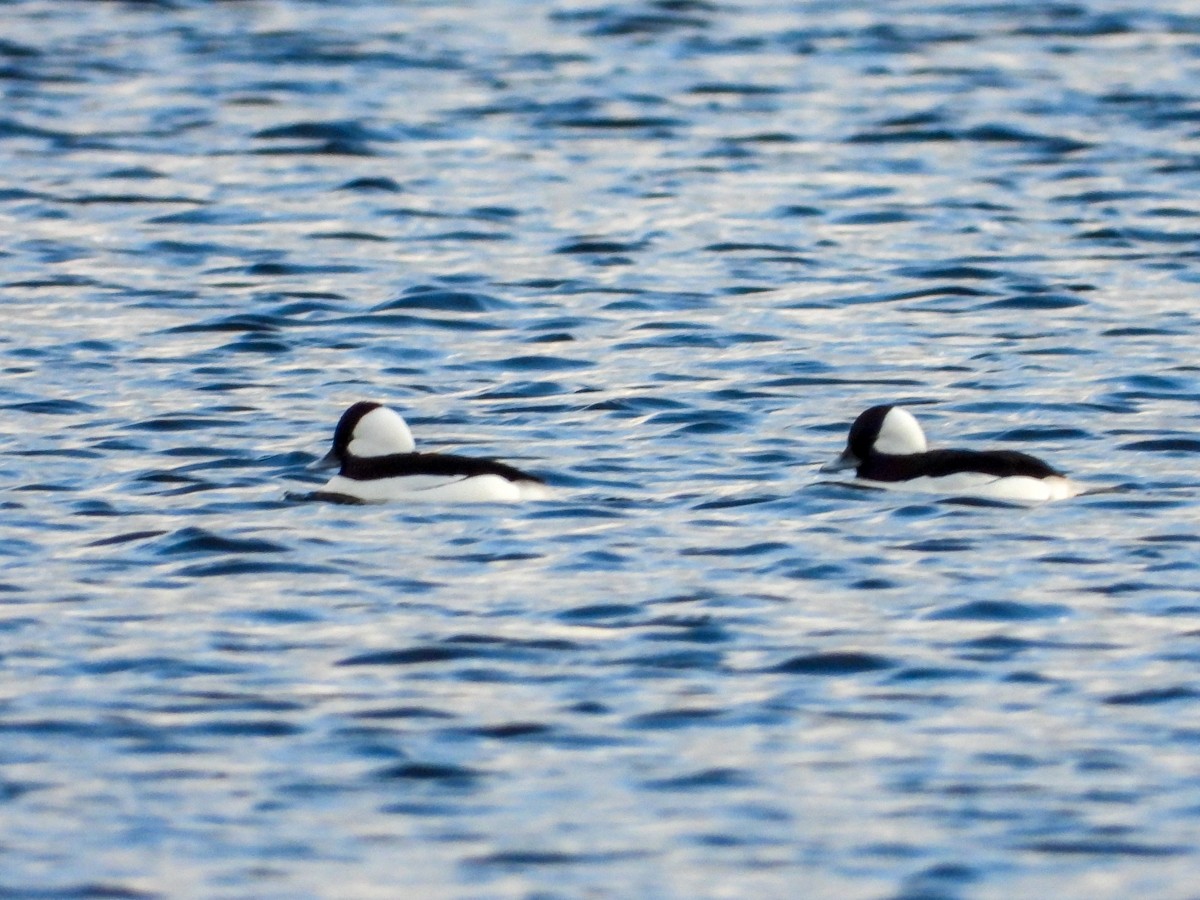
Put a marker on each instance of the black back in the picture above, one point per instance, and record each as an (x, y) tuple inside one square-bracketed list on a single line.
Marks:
[(939, 463), (400, 464)]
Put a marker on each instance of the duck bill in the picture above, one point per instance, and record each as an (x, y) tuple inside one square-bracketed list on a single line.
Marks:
[(846, 461), (328, 461)]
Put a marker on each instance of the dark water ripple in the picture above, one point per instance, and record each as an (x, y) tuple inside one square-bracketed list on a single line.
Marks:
[(660, 252)]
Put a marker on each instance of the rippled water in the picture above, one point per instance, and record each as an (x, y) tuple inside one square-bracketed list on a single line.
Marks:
[(660, 253)]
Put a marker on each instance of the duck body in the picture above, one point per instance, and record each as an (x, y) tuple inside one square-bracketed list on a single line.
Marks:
[(886, 446), (376, 458)]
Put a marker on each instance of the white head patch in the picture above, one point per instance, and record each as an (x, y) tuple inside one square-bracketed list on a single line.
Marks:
[(380, 432), (900, 434)]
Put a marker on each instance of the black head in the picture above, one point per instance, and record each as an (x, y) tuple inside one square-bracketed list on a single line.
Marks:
[(860, 444), (344, 433), (865, 431)]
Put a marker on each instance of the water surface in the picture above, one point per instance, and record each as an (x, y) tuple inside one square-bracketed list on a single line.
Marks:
[(660, 253)]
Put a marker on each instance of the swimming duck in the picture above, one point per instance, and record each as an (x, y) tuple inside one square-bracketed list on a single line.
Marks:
[(376, 458), (886, 445)]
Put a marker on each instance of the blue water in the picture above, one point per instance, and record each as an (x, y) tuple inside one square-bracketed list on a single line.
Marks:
[(660, 253)]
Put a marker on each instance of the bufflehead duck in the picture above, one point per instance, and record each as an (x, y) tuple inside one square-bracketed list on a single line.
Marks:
[(374, 452), (887, 445)]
